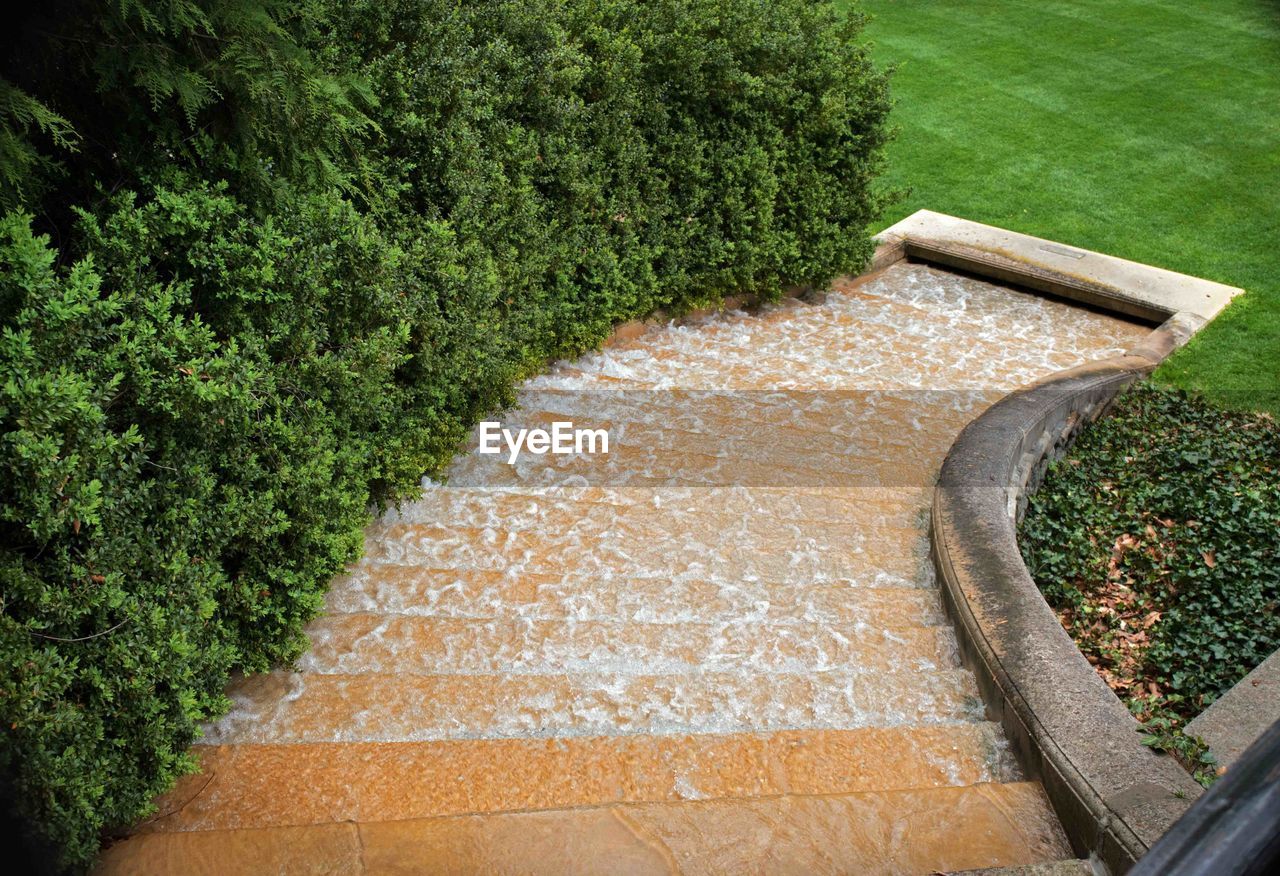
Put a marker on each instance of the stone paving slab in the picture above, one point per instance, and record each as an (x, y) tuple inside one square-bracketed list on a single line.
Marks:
[(874, 833), (1242, 714), (243, 786), (1072, 867), (289, 707)]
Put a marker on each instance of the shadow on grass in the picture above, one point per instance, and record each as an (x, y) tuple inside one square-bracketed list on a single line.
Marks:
[(1272, 8)]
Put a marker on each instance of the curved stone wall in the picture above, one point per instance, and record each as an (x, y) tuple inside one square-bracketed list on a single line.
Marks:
[(1113, 795)]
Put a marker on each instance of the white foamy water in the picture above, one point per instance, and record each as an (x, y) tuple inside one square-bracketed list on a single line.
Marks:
[(749, 557)]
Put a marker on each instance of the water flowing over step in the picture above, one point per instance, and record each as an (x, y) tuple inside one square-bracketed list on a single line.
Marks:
[(290, 785), (377, 643), (884, 832), (718, 648), (395, 707), (483, 595)]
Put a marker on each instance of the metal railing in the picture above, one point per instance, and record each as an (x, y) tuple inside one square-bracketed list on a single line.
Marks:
[(1234, 829)]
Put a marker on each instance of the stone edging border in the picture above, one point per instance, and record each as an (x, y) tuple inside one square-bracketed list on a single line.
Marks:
[(1114, 796)]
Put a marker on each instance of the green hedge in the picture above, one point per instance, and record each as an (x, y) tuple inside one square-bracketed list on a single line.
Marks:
[(265, 265)]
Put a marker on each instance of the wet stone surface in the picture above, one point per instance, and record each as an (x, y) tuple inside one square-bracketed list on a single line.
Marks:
[(716, 648)]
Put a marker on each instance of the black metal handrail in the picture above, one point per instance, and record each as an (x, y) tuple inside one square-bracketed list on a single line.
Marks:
[(1234, 829)]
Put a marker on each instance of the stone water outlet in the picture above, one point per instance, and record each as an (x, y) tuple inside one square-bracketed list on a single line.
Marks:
[(718, 648)]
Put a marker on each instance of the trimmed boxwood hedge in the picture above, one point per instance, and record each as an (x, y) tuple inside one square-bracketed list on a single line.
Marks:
[(264, 264)]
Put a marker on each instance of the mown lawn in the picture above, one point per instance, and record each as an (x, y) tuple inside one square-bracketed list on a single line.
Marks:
[(1148, 129)]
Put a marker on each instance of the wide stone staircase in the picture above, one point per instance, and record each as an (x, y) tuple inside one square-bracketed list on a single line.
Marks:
[(716, 649)]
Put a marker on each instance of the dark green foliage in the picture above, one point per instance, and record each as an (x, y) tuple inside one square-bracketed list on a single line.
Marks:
[(599, 160), (275, 260), (176, 493), (23, 119), (1158, 542), (92, 92)]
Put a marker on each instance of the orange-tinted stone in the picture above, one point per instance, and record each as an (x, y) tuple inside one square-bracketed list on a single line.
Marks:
[(718, 650), (887, 832), (277, 785)]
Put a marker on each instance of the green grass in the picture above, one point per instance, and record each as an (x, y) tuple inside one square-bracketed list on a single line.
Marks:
[(1147, 129)]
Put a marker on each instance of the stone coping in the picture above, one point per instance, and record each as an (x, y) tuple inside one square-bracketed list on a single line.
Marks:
[(1235, 720), (1114, 796), (1103, 281)]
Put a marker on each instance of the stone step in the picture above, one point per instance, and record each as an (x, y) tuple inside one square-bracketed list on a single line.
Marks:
[(797, 427), (769, 556), (726, 509), (831, 345), (849, 358), (674, 439), (512, 535), (722, 510), (282, 785), (644, 465), (294, 707), (829, 417), (391, 643), (868, 326), (867, 338), (1063, 334), (490, 594), (889, 832)]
